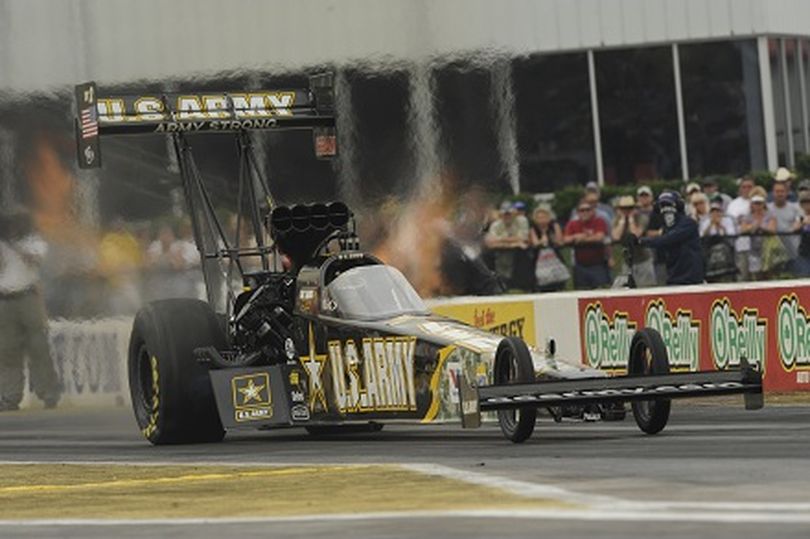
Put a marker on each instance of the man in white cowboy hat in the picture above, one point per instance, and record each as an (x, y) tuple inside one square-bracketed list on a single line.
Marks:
[(784, 176)]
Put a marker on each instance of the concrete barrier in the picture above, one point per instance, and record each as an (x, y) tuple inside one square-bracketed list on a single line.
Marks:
[(704, 327)]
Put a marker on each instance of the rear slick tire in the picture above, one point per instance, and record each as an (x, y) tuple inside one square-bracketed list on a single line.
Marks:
[(648, 356), (171, 392), (513, 364)]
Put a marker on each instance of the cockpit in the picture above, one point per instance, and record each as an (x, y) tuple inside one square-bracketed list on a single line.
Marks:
[(373, 292)]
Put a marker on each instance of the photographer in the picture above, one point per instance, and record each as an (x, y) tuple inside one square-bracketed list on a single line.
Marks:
[(23, 323), (679, 242)]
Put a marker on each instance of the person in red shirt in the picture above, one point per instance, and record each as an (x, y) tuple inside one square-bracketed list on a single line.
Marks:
[(587, 235)]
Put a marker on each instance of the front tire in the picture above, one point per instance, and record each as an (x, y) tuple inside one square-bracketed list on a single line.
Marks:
[(513, 364), (648, 356), (171, 392)]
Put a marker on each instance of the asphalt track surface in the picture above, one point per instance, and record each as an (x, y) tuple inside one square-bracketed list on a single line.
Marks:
[(716, 471)]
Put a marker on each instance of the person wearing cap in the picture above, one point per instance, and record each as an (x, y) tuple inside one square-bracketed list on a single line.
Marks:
[(737, 209), (718, 223), (645, 199), (802, 263), (756, 224), (629, 221), (689, 191), (23, 323), (787, 215), (593, 196), (587, 235), (678, 243), (719, 251), (507, 236), (712, 190)]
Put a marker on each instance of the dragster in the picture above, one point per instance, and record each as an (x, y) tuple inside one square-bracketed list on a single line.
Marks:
[(301, 328)]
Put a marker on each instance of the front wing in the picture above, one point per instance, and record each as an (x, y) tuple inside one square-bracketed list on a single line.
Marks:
[(746, 381)]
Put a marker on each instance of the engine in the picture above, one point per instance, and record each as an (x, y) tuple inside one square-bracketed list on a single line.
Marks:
[(261, 327)]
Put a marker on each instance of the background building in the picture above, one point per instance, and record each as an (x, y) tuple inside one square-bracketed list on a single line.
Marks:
[(520, 95)]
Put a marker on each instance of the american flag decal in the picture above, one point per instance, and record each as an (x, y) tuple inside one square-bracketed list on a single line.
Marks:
[(89, 122)]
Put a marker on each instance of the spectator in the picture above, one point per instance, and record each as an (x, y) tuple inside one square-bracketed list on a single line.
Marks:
[(173, 265), (757, 223), (712, 191), (587, 234), (508, 238), (690, 189), (718, 251), (700, 208), (802, 265), (630, 222), (120, 260), (718, 223), (784, 176), (737, 209), (545, 231), (592, 196), (787, 214), (650, 227), (804, 186), (23, 322), (644, 196), (679, 242), (545, 234)]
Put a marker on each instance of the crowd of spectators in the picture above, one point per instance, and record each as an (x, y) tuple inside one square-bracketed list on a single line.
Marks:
[(755, 235), (128, 265)]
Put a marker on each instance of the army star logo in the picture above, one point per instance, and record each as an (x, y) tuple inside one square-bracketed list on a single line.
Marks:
[(314, 364), (251, 392)]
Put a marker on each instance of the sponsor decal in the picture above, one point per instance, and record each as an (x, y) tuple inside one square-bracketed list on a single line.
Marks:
[(607, 341), (734, 336), (252, 400), (198, 112), (314, 364), (154, 408), (297, 396), (681, 334), (299, 412), (513, 318), (793, 336), (374, 375), (462, 336)]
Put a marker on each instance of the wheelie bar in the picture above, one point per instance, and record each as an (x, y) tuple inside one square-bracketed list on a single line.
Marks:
[(746, 380)]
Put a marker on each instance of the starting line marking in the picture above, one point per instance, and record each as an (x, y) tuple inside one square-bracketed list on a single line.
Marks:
[(591, 507), (176, 479)]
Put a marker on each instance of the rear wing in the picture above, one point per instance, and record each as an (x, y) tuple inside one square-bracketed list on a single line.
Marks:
[(309, 108)]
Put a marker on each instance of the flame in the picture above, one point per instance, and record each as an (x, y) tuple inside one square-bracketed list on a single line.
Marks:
[(52, 188), (414, 232)]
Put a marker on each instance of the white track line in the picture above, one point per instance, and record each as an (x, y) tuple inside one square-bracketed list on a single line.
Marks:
[(600, 515), (512, 486)]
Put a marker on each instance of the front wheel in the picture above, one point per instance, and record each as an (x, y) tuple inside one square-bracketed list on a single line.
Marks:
[(648, 356), (513, 365), (171, 392)]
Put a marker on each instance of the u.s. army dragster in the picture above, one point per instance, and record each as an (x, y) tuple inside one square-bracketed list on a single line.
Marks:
[(301, 328)]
